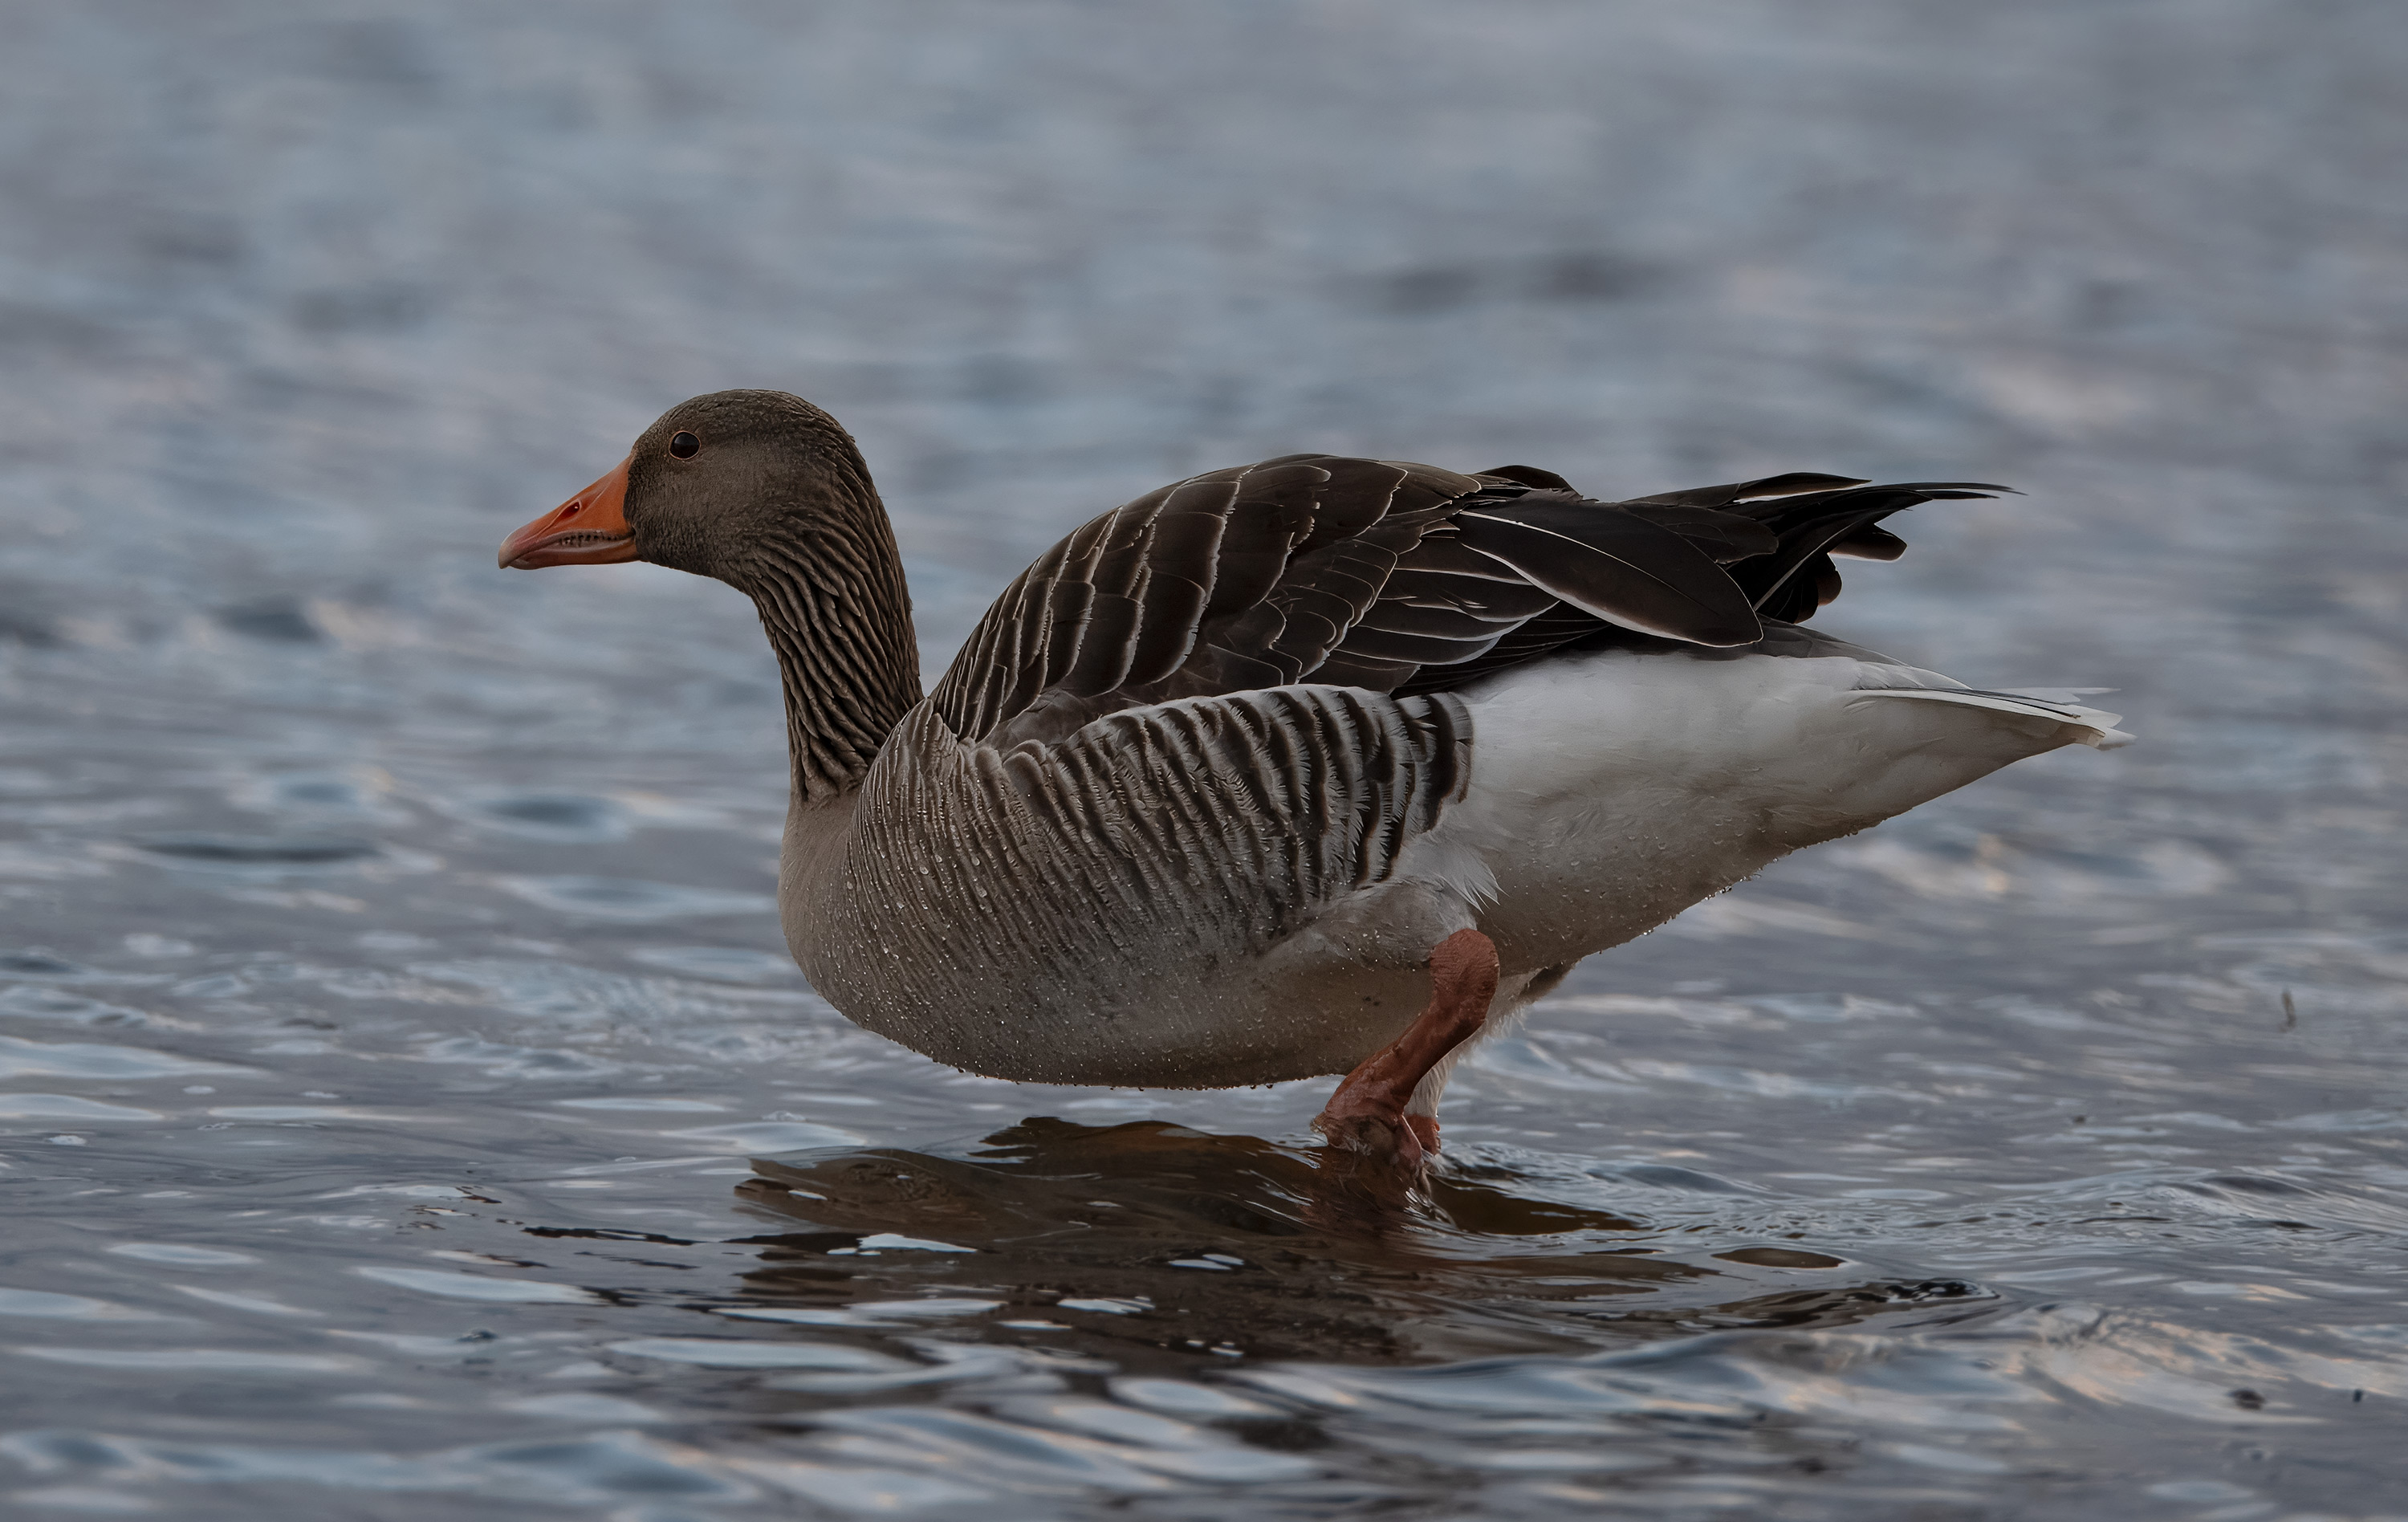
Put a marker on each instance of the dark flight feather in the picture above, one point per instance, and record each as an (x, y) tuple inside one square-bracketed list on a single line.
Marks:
[(1617, 565)]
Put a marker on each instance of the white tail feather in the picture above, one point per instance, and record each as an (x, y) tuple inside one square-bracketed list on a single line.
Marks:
[(2097, 726)]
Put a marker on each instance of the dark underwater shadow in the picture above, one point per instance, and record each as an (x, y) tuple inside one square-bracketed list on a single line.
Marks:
[(1149, 1244)]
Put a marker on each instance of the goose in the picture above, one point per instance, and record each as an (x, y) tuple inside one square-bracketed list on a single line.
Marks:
[(1314, 766)]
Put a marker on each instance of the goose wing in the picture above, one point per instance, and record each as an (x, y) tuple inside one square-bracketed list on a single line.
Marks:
[(1396, 578), (1234, 580), (1772, 540)]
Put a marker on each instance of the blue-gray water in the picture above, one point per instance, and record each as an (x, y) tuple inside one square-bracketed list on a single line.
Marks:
[(391, 1001)]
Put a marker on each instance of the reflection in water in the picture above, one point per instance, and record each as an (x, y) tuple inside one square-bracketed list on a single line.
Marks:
[(1149, 1238)]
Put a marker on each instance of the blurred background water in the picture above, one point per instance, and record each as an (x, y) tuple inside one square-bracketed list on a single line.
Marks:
[(390, 1001)]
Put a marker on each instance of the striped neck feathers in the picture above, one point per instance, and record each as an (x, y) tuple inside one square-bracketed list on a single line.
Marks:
[(828, 583)]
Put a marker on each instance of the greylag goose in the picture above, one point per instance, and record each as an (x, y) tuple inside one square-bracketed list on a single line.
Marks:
[(1309, 767)]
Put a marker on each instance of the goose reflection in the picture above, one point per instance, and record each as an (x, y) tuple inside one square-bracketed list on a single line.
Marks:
[(1149, 1244)]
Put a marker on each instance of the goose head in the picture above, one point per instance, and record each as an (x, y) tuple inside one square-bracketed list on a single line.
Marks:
[(767, 493), (708, 488)]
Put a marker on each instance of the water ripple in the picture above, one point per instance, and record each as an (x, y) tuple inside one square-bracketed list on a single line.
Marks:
[(467, 1286), (21, 1057), (633, 901)]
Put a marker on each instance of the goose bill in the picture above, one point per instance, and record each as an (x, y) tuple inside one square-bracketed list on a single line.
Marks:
[(589, 529)]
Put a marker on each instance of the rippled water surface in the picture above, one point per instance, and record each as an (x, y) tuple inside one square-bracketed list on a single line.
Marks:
[(406, 1108)]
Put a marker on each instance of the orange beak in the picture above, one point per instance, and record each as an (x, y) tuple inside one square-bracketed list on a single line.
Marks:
[(589, 529)]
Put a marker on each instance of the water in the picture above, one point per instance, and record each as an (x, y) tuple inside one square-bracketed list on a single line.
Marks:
[(391, 1007)]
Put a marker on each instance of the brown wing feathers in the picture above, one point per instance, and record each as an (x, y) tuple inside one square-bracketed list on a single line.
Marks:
[(1791, 583), (1614, 564), (1393, 577)]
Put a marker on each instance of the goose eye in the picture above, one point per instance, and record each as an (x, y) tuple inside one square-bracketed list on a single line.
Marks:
[(682, 445)]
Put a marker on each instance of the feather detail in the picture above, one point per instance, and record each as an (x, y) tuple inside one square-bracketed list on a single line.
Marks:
[(1389, 575), (1616, 565), (1207, 830), (2094, 727)]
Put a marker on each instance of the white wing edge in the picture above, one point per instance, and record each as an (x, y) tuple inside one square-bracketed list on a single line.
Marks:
[(2098, 725)]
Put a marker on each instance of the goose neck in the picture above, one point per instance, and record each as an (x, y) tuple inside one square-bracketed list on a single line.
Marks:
[(832, 598)]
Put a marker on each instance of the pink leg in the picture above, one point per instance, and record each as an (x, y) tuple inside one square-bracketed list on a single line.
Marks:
[(1367, 1115)]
